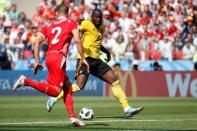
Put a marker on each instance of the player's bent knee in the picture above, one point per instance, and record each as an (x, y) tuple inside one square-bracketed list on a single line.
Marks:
[(81, 87), (81, 70), (58, 91), (115, 78)]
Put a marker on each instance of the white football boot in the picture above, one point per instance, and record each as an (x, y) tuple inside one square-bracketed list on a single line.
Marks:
[(76, 122), (19, 83), (50, 103), (129, 112)]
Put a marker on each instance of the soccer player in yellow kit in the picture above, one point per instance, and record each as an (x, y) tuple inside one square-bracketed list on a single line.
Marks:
[(92, 33)]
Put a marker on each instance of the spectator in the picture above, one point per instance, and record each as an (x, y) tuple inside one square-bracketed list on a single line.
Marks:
[(156, 66), (1, 26), (194, 36), (5, 64), (135, 65), (43, 7), (129, 54), (119, 47), (17, 48), (165, 47), (124, 21), (172, 29), (143, 45), (187, 27), (22, 18), (14, 13), (188, 50), (117, 68)]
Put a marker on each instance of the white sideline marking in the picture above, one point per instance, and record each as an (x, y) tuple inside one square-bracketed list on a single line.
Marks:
[(94, 121)]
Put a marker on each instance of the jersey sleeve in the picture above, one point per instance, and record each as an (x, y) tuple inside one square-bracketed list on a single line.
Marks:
[(43, 31), (83, 26), (74, 26)]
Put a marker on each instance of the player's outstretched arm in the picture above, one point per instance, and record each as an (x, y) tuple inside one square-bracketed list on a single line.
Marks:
[(38, 41), (103, 49), (79, 46)]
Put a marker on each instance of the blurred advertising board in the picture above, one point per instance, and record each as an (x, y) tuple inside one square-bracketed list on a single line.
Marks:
[(158, 84), (94, 86), (135, 84)]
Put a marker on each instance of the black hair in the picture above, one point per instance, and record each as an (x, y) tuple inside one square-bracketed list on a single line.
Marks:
[(96, 11), (117, 64), (157, 66)]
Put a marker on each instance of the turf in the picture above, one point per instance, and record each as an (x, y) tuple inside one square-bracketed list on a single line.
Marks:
[(29, 113)]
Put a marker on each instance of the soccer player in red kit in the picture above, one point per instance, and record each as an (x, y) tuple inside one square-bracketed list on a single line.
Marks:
[(59, 34)]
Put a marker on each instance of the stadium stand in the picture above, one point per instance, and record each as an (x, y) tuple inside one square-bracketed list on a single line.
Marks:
[(147, 31)]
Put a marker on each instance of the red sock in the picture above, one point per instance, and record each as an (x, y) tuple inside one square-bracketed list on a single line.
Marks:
[(68, 101), (43, 87)]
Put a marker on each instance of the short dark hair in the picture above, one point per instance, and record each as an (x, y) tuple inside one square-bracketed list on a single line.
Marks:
[(117, 64), (96, 10), (62, 8)]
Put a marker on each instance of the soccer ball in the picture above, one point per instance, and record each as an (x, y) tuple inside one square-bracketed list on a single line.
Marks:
[(86, 113)]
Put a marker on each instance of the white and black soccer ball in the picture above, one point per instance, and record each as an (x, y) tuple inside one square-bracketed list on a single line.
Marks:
[(86, 113)]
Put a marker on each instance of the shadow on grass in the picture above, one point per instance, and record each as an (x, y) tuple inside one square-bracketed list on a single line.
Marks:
[(97, 124), (110, 117)]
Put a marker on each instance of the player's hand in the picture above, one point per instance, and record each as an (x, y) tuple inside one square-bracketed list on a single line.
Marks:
[(108, 57), (37, 67), (86, 63)]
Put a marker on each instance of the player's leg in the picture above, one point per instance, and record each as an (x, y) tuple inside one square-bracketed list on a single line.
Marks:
[(55, 78), (81, 80), (52, 100), (117, 91), (68, 102), (81, 76), (67, 97), (40, 86), (104, 72), (80, 83)]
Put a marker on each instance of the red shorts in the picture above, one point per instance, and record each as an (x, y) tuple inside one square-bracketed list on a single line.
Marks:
[(56, 65)]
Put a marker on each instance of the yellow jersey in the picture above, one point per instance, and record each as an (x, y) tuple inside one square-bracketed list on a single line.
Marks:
[(91, 38)]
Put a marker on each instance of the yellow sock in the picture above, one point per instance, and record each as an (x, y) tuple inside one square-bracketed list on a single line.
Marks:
[(75, 88), (119, 94), (60, 96)]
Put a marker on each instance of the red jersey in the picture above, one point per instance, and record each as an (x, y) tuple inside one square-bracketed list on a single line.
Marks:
[(59, 34)]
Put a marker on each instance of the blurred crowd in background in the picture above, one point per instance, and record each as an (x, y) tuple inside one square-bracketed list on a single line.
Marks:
[(135, 29)]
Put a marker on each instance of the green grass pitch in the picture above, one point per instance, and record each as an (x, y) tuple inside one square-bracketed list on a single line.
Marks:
[(23, 113)]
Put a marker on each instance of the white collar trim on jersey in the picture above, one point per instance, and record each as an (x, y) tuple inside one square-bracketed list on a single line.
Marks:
[(61, 17)]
